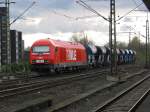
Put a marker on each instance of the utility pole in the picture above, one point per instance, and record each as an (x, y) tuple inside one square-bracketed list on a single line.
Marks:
[(147, 43), (112, 42), (113, 33), (139, 40), (129, 39), (130, 29)]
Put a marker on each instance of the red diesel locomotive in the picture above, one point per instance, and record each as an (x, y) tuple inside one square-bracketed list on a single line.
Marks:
[(57, 55)]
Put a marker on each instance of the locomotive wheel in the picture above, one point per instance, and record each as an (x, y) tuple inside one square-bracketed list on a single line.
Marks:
[(57, 70), (78, 69), (52, 71)]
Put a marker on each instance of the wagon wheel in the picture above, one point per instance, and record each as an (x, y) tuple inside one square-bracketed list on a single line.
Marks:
[(57, 70)]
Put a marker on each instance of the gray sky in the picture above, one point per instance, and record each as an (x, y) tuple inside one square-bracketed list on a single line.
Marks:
[(45, 19)]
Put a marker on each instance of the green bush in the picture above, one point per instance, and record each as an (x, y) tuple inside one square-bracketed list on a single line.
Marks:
[(16, 68)]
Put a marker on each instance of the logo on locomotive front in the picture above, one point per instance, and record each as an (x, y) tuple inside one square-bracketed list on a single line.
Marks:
[(71, 54)]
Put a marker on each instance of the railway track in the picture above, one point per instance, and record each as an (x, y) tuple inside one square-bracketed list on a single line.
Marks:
[(81, 99), (138, 103), (127, 100), (33, 86), (37, 104), (11, 78), (35, 78), (27, 79), (17, 80)]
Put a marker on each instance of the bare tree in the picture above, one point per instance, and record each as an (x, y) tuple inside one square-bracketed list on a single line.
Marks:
[(81, 38)]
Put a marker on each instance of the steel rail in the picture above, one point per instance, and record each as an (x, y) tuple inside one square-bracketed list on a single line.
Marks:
[(78, 98), (137, 104), (119, 95), (11, 85), (27, 80), (47, 84)]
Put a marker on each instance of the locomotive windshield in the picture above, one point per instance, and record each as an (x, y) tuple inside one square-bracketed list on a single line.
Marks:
[(40, 49)]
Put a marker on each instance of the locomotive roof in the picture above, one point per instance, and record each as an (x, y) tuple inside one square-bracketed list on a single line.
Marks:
[(59, 43)]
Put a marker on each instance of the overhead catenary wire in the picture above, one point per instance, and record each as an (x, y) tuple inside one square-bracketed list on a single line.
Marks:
[(129, 12), (30, 6), (64, 15), (92, 16), (80, 2), (137, 31), (137, 6), (86, 17), (28, 19), (71, 17)]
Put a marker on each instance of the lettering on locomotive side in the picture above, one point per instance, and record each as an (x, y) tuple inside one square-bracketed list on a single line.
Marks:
[(71, 54)]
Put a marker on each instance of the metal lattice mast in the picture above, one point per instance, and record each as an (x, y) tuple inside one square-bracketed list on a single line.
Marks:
[(147, 57), (129, 39), (110, 43), (113, 36), (148, 41), (148, 44)]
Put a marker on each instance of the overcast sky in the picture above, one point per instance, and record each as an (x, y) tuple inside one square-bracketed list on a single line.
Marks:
[(56, 19)]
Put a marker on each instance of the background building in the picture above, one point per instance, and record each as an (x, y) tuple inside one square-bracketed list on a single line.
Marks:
[(11, 43), (5, 55), (17, 46)]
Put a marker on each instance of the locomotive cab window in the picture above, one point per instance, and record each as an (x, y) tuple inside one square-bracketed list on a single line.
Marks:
[(40, 49)]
